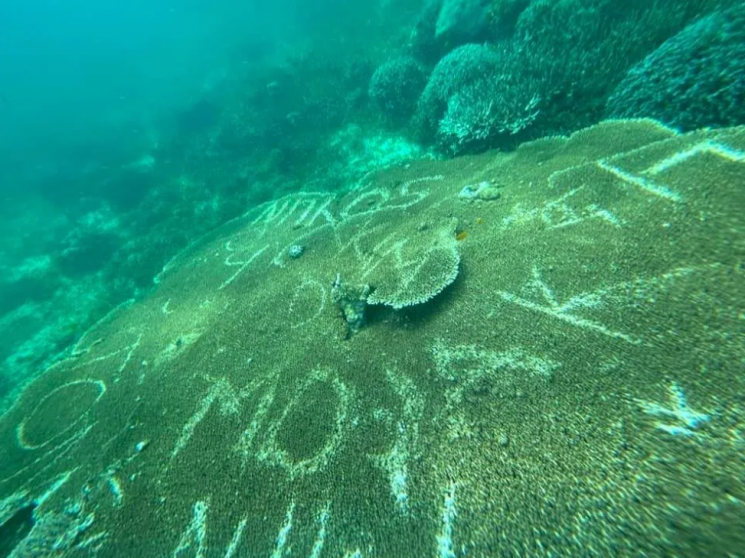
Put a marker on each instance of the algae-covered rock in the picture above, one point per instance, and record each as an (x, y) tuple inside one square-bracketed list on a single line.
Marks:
[(464, 67), (352, 303), (578, 389)]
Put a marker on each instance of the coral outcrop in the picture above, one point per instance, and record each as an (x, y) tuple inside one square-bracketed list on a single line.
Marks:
[(695, 79)]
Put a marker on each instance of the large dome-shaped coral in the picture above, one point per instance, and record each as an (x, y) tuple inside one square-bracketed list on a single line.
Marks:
[(695, 79)]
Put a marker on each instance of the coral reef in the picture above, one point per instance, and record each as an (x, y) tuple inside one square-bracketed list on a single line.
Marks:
[(486, 111), (571, 54), (461, 68), (395, 87), (295, 251), (537, 79), (694, 79), (522, 329), (585, 305)]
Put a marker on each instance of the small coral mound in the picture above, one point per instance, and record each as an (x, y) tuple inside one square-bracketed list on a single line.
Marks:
[(295, 251), (483, 110), (694, 79), (419, 267), (473, 97), (395, 87), (483, 191)]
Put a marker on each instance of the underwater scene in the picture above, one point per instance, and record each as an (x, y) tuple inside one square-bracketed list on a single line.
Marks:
[(372, 279)]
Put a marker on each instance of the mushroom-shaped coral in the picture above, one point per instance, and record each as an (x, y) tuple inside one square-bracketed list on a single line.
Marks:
[(416, 266)]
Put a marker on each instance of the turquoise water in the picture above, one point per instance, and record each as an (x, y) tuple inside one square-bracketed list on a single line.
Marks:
[(420, 278)]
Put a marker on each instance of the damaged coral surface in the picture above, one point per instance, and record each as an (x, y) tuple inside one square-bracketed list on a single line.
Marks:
[(553, 371)]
